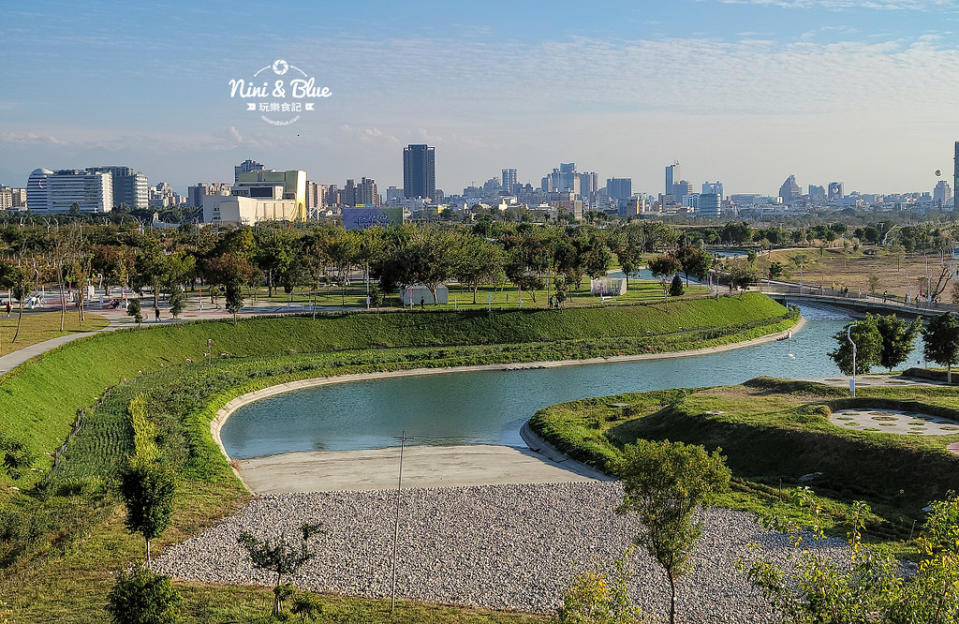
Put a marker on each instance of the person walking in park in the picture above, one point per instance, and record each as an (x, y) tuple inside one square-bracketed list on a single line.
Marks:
[(156, 313), (422, 303)]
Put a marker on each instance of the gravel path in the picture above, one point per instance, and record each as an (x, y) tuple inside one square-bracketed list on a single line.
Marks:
[(503, 547)]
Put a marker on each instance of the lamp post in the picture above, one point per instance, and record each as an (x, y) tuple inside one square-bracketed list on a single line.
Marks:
[(852, 382)]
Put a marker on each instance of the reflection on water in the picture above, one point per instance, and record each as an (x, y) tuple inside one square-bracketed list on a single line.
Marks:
[(489, 407)]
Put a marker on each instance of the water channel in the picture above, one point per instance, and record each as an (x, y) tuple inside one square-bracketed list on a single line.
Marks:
[(490, 407)]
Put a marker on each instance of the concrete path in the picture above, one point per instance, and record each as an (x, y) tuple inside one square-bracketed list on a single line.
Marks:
[(873, 381), (423, 467)]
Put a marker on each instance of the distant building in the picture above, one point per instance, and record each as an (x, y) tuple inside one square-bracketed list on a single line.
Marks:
[(394, 196), (714, 187), (419, 171), (130, 188), (200, 190), (790, 191), (246, 166), (710, 205), (62, 191), (672, 178), (262, 184), (12, 198), (955, 178), (835, 191), (817, 194), (942, 194), (163, 196), (315, 199), (242, 210), (509, 181), (360, 218), (366, 194), (619, 190)]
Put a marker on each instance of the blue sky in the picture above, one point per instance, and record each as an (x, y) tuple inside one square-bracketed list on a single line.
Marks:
[(747, 92)]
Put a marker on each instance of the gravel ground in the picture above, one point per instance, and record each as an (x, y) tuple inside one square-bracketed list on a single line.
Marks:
[(502, 547)]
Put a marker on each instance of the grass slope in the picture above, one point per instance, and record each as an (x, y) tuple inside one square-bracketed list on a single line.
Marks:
[(40, 400), (775, 432)]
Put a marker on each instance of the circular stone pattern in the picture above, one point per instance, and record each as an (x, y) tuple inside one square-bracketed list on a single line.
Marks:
[(894, 421)]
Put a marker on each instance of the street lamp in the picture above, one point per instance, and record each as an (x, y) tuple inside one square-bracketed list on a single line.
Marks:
[(852, 382)]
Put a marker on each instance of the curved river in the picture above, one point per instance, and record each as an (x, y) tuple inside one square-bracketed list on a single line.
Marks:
[(490, 407)]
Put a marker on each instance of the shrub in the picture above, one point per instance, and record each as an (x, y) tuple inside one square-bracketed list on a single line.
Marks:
[(142, 597)]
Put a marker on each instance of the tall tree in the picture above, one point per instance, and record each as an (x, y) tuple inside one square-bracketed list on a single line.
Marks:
[(478, 261), (666, 484), (898, 336), (148, 491), (941, 338), (868, 347)]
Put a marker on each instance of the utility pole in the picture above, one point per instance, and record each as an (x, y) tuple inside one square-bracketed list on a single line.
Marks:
[(396, 523)]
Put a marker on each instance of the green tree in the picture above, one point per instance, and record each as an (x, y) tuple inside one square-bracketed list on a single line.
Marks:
[(898, 336), (478, 261), (142, 597), (177, 301), (941, 338), (676, 287), (148, 491), (694, 261), (134, 310), (21, 282), (742, 274), (868, 347), (280, 557), (665, 484), (233, 298)]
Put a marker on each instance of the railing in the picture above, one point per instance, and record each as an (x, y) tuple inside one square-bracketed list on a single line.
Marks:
[(842, 296)]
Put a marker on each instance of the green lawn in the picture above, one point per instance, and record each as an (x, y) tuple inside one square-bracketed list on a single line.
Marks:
[(39, 326), (63, 534), (773, 433)]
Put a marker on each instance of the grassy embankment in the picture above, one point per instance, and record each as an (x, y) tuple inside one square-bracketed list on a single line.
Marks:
[(40, 326), (63, 535), (773, 432)]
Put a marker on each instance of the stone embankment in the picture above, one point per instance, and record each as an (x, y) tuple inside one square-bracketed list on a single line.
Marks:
[(503, 547)]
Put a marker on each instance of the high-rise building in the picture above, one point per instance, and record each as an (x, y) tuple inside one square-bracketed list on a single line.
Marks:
[(509, 181), (246, 166), (790, 191), (713, 187), (672, 177), (12, 198), (196, 193), (942, 194), (710, 205), (817, 194), (61, 191), (682, 189), (130, 188), (366, 194), (835, 191), (419, 171), (315, 199), (270, 184), (619, 190)]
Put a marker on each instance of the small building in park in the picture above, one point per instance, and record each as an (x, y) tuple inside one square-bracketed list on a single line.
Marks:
[(418, 292), (608, 286)]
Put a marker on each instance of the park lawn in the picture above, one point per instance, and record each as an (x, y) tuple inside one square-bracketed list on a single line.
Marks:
[(40, 326), (774, 432), (837, 268)]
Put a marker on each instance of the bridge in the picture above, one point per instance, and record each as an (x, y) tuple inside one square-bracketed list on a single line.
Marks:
[(854, 302)]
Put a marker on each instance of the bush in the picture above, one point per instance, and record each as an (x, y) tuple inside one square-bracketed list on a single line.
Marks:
[(676, 287), (142, 597)]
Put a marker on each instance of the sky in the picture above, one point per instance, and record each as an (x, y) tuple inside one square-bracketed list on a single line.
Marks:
[(743, 91)]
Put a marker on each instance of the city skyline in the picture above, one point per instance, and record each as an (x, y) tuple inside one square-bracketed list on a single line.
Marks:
[(815, 88)]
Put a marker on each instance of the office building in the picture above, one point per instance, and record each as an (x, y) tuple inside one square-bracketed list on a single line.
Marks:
[(710, 205), (366, 194), (619, 190), (262, 184), (713, 187), (247, 166), (163, 196), (790, 191), (817, 194), (509, 181), (68, 189), (131, 189), (419, 171), (672, 177), (835, 191), (315, 199), (955, 178), (13, 198), (942, 194)]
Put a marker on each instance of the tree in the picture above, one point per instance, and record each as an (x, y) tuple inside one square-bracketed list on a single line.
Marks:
[(142, 597), (662, 267), (665, 484), (177, 301), (742, 274), (280, 557), (134, 310), (148, 491), (868, 347), (694, 261), (231, 271), (941, 338), (595, 597), (21, 281), (676, 287), (478, 261), (233, 296), (873, 283), (898, 337)]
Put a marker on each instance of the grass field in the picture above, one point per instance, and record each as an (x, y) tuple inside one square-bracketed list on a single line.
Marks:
[(773, 433), (837, 268), (61, 538), (40, 326)]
